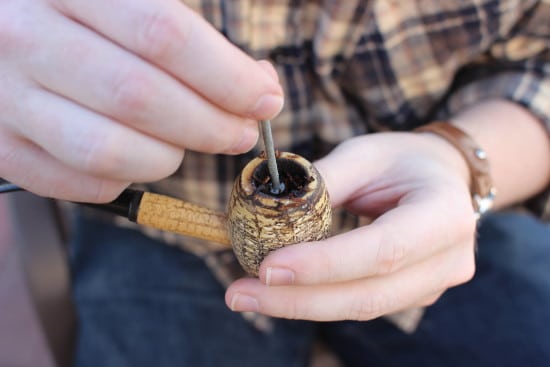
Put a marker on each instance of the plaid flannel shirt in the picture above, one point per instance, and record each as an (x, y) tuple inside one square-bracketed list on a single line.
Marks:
[(354, 67)]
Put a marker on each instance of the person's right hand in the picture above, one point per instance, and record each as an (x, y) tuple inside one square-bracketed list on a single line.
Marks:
[(97, 94)]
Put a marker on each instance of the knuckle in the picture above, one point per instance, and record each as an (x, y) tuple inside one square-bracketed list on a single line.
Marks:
[(103, 156), (165, 165), (210, 141), (75, 50), (160, 34), (108, 158), (226, 95), (107, 191), (12, 32), (237, 134), (367, 307), (333, 263), (173, 163), (467, 273), (95, 190), (63, 191), (8, 36), (466, 270), (9, 154), (465, 222), (210, 144), (131, 92), (295, 310), (390, 253)]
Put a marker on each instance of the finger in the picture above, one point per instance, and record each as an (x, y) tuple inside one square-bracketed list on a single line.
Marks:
[(389, 244), (268, 67), (383, 175), (343, 183), (169, 34), (91, 143), (363, 299), (77, 64), (30, 167)]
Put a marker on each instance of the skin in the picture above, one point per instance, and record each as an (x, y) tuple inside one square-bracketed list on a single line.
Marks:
[(422, 240), (82, 86)]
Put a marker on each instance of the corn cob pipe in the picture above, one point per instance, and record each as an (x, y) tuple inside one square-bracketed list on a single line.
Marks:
[(256, 221)]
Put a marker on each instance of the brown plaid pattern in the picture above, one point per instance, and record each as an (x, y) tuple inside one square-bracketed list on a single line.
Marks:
[(353, 67)]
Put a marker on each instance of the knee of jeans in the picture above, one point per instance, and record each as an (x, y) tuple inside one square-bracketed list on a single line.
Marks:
[(108, 260), (514, 241)]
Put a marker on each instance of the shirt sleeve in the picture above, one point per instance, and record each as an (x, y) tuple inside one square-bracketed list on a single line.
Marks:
[(516, 68)]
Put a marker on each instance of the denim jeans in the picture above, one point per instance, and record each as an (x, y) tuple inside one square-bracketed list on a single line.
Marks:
[(145, 304)]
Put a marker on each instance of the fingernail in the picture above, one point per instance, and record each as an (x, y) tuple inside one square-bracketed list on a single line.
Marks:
[(268, 106), (279, 276), (243, 303)]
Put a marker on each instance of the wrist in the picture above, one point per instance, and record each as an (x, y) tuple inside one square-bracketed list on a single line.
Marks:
[(448, 154), (474, 165), (517, 145)]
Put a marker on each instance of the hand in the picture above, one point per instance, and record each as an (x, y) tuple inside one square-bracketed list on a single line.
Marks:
[(97, 94), (420, 243)]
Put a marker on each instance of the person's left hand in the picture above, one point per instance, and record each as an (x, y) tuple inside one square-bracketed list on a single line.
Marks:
[(420, 243)]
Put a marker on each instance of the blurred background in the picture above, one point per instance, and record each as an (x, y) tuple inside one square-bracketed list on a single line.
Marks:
[(22, 343)]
